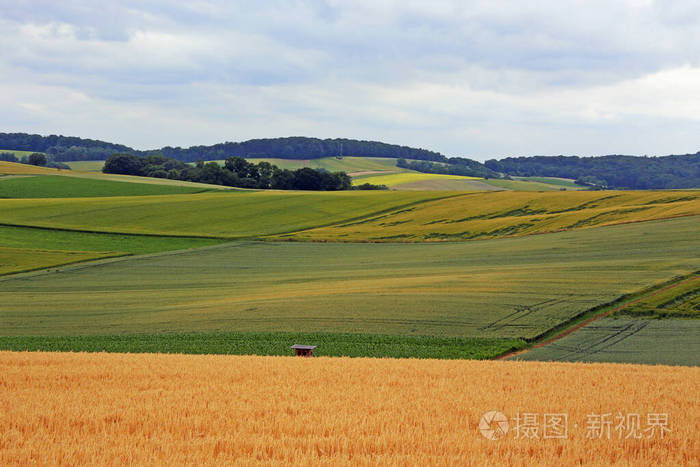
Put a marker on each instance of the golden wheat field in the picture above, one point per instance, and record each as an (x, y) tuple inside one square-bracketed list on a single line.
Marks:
[(120, 409)]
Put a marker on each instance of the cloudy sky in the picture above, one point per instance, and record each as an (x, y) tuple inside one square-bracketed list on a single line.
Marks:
[(467, 78)]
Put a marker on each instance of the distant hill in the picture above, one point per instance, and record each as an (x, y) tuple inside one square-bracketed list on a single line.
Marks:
[(69, 148), (613, 171), (624, 172)]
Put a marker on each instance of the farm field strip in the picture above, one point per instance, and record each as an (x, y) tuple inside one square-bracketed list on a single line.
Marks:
[(61, 186), (51, 248), (224, 215), (682, 301), (14, 260), (394, 180), (626, 340), (194, 409), (271, 343), (506, 288), (14, 168), (498, 214)]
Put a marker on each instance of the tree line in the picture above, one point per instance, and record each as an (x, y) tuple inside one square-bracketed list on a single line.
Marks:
[(615, 171), (236, 172), (70, 148)]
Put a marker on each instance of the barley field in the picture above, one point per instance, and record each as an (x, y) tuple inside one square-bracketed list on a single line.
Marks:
[(120, 409)]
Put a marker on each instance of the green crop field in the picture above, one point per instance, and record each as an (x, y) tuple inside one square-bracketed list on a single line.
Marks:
[(560, 182), (60, 186), (27, 249), (86, 166), (226, 215), (682, 300), (14, 260), (664, 342), (350, 345), (505, 288)]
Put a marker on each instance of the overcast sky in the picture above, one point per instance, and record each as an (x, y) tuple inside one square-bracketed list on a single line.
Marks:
[(478, 79)]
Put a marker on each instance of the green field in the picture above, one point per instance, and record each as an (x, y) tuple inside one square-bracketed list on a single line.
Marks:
[(506, 288), (680, 301), (61, 186), (226, 215), (27, 249), (664, 342), (560, 182), (86, 166), (350, 345)]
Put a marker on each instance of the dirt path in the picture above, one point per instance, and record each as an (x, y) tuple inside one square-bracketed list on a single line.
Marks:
[(578, 326)]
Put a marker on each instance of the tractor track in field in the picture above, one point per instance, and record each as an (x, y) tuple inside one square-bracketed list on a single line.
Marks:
[(588, 321)]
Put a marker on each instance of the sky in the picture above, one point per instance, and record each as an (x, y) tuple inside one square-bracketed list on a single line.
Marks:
[(478, 79)]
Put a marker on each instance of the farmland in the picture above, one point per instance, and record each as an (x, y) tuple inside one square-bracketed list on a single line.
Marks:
[(507, 288), (680, 301), (351, 216), (175, 409), (26, 249), (13, 168), (226, 215), (488, 215), (270, 343), (625, 340), (59, 186)]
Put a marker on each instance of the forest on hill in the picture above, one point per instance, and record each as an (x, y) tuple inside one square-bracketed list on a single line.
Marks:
[(604, 172), (622, 172)]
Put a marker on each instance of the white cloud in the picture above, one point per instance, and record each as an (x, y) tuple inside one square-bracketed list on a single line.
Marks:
[(477, 78)]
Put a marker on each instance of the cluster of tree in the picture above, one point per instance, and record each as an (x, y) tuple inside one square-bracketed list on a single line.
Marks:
[(62, 148), (236, 172), (453, 166), (625, 172)]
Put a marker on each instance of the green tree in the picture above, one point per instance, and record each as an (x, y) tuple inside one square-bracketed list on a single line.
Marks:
[(36, 158)]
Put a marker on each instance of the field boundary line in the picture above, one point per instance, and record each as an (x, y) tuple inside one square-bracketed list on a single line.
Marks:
[(645, 293)]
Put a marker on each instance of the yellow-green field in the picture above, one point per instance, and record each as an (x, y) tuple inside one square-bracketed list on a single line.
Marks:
[(394, 180), (13, 168), (86, 166), (351, 216), (226, 215), (498, 214), (13, 260)]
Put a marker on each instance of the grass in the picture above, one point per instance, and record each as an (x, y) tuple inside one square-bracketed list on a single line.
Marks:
[(508, 288), (501, 214), (86, 166), (350, 165), (225, 215), (232, 343), (59, 186), (624, 340), (682, 301)]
